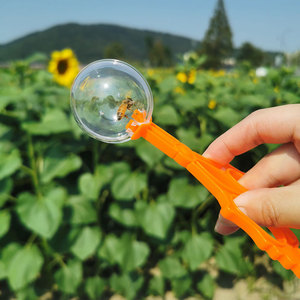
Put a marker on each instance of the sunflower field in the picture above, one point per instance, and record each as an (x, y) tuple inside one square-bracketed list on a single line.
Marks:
[(81, 219)]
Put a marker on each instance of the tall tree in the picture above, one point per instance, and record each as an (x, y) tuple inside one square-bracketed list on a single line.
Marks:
[(250, 53), (217, 43)]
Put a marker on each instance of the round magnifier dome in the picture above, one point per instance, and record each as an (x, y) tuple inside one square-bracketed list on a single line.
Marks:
[(104, 96)]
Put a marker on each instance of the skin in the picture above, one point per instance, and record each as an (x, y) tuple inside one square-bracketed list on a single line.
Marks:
[(273, 198)]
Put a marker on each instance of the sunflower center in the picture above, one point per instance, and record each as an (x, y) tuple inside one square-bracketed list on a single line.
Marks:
[(62, 66)]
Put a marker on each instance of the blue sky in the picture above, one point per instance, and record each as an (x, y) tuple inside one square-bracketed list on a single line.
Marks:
[(269, 24)]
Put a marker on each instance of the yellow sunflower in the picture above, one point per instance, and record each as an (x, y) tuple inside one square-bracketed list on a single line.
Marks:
[(64, 66)]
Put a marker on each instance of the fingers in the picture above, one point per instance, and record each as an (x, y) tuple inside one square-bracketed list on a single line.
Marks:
[(276, 207), (281, 167), (275, 125)]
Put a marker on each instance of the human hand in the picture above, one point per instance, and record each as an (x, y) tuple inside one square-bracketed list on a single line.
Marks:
[(266, 203)]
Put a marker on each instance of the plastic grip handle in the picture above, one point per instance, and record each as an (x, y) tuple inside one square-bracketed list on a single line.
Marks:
[(222, 182)]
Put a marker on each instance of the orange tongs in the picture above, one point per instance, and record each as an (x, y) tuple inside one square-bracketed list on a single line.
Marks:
[(221, 181)]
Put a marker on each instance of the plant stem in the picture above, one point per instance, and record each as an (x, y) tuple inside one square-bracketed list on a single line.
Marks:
[(34, 172)]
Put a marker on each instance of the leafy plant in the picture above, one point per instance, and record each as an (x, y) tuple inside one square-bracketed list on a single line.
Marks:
[(81, 218)]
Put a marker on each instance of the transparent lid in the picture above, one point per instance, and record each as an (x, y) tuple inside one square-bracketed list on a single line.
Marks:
[(104, 96)]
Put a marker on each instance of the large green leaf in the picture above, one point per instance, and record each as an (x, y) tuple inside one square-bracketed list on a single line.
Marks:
[(197, 249), (80, 210), (155, 218), (69, 277), (89, 185), (58, 163), (127, 185), (24, 267), (190, 102), (4, 222), (182, 194), (189, 138), (9, 163), (227, 116), (148, 153), (54, 121), (181, 286), (157, 286), (206, 286), (125, 251), (7, 253), (6, 185), (167, 115), (94, 287), (124, 216), (230, 258), (42, 215), (171, 268), (86, 242), (126, 284)]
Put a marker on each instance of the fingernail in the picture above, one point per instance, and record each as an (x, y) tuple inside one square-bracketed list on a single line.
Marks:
[(241, 202), (224, 226)]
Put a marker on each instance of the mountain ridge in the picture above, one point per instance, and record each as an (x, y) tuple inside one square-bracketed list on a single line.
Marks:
[(90, 40)]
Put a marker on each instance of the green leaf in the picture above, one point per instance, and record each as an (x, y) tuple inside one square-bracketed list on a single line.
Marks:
[(182, 194), (126, 284), (9, 163), (94, 287), (6, 186), (87, 242), (69, 277), (167, 115), (42, 216), (7, 254), (171, 268), (127, 185), (24, 267), (27, 293), (64, 238), (148, 153), (189, 138), (157, 286), (58, 163), (281, 271), (125, 216), (197, 249), (190, 102), (4, 222), (156, 218), (80, 211), (54, 121), (206, 286), (181, 286), (230, 259), (2, 270), (89, 185), (126, 252), (227, 116)]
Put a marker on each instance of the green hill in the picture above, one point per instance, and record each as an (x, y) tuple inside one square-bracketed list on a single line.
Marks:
[(89, 42)]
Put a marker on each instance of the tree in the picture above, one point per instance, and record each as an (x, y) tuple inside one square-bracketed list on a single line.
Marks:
[(250, 53), (217, 42), (114, 50), (159, 54)]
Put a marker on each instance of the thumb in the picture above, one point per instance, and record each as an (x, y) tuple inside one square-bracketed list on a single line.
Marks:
[(276, 207)]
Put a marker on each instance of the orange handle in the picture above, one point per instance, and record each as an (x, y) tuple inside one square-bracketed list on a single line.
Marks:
[(221, 181)]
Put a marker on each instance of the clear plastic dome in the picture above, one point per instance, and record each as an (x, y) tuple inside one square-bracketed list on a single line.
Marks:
[(104, 96)]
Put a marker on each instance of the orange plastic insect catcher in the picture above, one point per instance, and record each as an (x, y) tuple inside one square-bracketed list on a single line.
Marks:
[(112, 102), (221, 181)]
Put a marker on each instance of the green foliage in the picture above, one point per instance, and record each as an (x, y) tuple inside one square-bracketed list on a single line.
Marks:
[(83, 219), (250, 53)]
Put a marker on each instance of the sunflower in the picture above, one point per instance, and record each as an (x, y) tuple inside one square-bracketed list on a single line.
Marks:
[(64, 66)]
